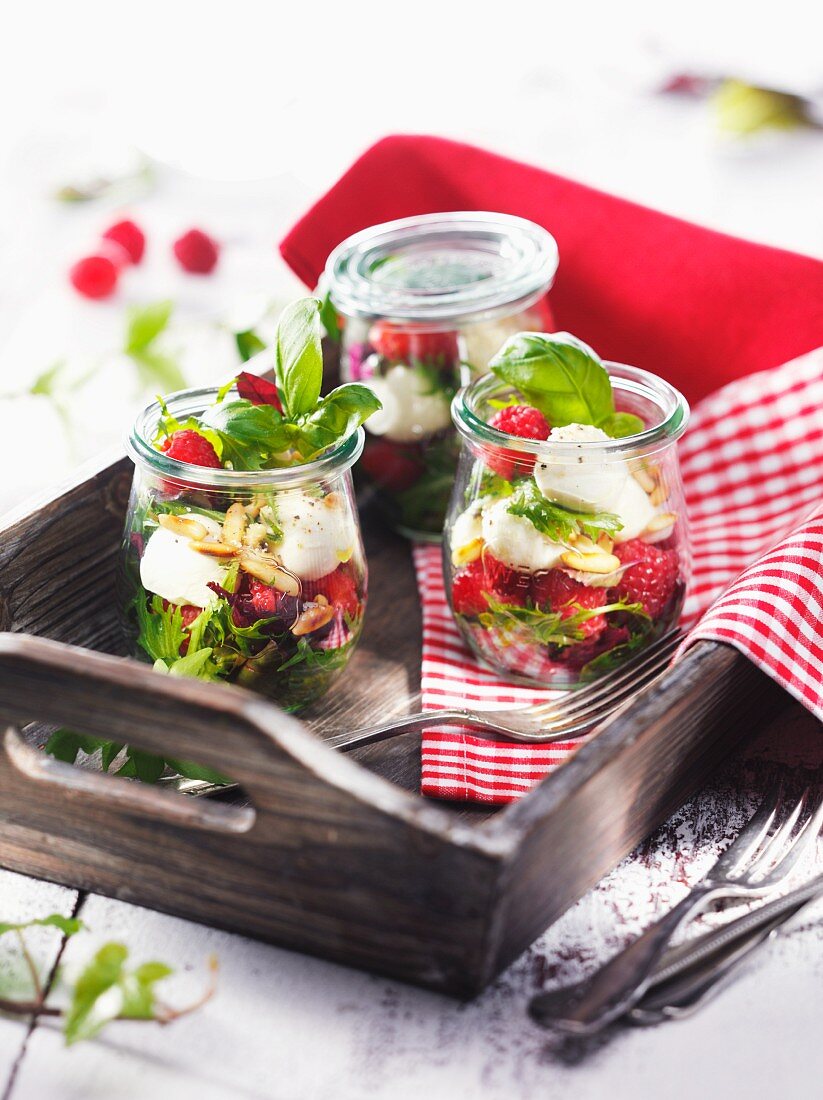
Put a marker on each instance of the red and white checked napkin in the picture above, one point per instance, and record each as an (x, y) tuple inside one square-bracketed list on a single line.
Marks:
[(753, 471)]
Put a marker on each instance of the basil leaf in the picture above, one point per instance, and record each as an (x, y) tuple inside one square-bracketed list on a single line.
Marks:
[(248, 344), (558, 374), (329, 319), (299, 356), (249, 433), (145, 323), (621, 424), (338, 415), (556, 522)]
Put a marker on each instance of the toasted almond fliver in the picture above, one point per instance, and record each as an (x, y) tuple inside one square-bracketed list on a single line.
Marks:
[(234, 525), (331, 500), (182, 526), (468, 552), (213, 549), (599, 562), (268, 570), (312, 618), (659, 496), (321, 599), (605, 542), (644, 479), (254, 506), (660, 527), (345, 555)]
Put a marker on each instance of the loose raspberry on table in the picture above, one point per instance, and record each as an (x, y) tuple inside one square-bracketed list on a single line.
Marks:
[(130, 237), (557, 591), (469, 590), (652, 577), (196, 252), (189, 446), (94, 276), (506, 584), (339, 588), (525, 422)]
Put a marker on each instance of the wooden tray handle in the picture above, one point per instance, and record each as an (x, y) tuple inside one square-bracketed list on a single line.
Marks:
[(227, 729)]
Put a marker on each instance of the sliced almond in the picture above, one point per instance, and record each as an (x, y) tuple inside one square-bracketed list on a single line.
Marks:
[(470, 551), (597, 580), (332, 500), (321, 599), (268, 570), (213, 549), (234, 525), (644, 479), (182, 526), (598, 562), (659, 496), (605, 542), (660, 526), (345, 555), (312, 618)]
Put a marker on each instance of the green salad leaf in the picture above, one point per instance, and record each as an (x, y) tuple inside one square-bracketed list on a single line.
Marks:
[(248, 344), (556, 522), (337, 416), (299, 356), (564, 378), (532, 625)]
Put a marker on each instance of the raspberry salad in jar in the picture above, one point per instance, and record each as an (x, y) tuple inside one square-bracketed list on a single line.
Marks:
[(566, 548), (420, 306), (242, 559)]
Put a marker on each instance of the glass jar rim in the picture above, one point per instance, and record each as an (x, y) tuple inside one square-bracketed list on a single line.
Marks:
[(190, 402), (525, 256), (672, 404)]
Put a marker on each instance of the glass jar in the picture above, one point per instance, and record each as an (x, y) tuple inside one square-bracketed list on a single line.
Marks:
[(563, 604), (253, 578), (424, 304)]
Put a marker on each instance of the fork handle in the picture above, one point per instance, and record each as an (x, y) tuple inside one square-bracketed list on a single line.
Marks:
[(586, 1007), (403, 723)]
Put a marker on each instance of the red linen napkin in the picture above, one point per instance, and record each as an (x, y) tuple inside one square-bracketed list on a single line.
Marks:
[(699, 307), (753, 474)]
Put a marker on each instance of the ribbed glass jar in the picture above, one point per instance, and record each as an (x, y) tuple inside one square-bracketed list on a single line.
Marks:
[(536, 597), (253, 578), (424, 304)]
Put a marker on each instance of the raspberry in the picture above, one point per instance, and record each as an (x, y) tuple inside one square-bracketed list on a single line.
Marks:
[(652, 577), (189, 446), (469, 590), (263, 598), (94, 276), (506, 584), (526, 423), (557, 591), (397, 343), (196, 252), (130, 237), (391, 466), (339, 588)]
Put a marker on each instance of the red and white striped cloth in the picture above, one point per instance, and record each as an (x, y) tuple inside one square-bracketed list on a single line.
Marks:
[(753, 472)]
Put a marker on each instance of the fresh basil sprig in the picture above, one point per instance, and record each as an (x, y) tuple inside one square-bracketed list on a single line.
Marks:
[(563, 378), (299, 356), (558, 523)]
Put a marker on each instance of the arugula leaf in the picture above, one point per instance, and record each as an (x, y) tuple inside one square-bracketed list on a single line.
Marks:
[(161, 630), (531, 625), (69, 926), (145, 323), (142, 765), (248, 344), (299, 356), (556, 522), (336, 417), (106, 990)]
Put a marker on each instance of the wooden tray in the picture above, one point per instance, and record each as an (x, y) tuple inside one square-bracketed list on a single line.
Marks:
[(336, 855)]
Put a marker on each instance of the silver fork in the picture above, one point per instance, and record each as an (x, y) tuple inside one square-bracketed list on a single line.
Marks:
[(558, 720), (758, 861)]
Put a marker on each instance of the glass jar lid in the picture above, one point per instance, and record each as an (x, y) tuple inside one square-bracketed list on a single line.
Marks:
[(438, 268)]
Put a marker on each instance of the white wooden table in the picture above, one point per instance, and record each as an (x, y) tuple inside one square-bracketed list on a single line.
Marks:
[(285, 1026)]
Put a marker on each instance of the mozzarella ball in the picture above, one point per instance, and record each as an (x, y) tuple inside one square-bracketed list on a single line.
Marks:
[(584, 482), (410, 411), (172, 569), (516, 542), (634, 509), (318, 533)]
